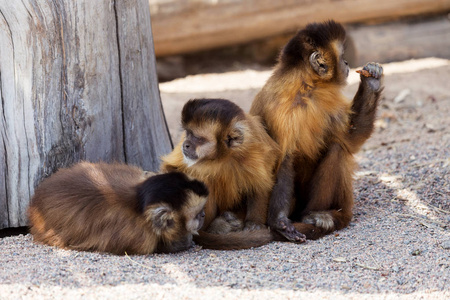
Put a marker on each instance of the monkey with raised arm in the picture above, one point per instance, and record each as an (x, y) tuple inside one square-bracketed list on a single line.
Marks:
[(317, 129)]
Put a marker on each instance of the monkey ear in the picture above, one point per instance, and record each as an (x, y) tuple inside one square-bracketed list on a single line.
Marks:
[(237, 134), (318, 63), (162, 217)]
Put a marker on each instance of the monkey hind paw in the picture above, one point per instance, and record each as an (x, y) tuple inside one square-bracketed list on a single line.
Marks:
[(321, 219), (250, 225), (227, 222)]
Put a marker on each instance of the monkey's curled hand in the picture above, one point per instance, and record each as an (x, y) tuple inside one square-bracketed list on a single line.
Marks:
[(371, 74), (284, 227)]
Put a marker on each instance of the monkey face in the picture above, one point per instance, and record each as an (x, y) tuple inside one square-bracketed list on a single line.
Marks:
[(172, 203), (214, 129), (198, 145), (193, 225), (318, 47), (330, 64), (212, 141)]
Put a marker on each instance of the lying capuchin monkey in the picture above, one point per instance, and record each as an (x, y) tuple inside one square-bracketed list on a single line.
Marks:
[(118, 209)]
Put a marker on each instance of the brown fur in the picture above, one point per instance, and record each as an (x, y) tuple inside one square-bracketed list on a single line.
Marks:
[(239, 177), (95, 207), (305, 112)]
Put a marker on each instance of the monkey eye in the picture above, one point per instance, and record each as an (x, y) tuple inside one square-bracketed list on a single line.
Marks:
[(201, 214), (194, 138)]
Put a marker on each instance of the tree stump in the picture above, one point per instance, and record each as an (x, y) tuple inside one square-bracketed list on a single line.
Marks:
[(77, 82)]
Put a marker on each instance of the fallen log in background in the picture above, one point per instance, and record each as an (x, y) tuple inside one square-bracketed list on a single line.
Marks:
[(189, 26)]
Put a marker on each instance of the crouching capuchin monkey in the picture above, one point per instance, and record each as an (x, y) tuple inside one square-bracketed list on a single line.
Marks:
[(318, 131), (234, 156), (118, 209)]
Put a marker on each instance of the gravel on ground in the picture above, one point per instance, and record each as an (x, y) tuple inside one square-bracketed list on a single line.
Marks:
[(396, 247)]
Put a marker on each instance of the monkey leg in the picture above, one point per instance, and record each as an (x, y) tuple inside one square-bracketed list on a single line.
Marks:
[(331, 195), (257, 206), (281, 203), (364, 106), (319, 223), (210, 213)]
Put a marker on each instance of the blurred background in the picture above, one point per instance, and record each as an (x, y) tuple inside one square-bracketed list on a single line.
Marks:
[(202, 36)]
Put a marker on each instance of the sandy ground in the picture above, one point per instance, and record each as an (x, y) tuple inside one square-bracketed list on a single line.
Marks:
[(397, 245)]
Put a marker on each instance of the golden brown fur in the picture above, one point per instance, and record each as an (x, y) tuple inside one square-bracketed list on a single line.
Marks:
[(232, 154), (113, 208), (318, 130)]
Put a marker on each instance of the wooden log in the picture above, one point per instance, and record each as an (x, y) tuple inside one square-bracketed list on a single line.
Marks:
[(188, 26), (77, 82), (398, 41)]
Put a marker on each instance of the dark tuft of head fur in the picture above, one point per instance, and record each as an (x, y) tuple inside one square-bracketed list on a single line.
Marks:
[(202, 110), (313, 36), (170, 188), (322, 34)]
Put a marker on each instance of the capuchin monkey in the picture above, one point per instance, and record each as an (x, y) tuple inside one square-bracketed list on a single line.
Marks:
[(318, 131), (234, 156), (118, 209)]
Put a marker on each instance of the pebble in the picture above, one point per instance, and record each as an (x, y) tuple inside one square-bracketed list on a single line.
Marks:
[(445, 244)]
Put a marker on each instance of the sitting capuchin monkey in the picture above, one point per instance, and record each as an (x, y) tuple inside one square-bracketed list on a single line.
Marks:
[(230, 152), (317, 129)]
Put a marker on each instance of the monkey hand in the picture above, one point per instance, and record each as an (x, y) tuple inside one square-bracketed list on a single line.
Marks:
[(284, 227), (373, 79)]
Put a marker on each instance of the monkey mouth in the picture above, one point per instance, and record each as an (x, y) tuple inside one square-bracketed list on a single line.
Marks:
[(188, 160)]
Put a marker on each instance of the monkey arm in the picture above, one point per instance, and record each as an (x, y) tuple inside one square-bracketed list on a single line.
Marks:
[(256, 215), (281, 201), (364, 106)]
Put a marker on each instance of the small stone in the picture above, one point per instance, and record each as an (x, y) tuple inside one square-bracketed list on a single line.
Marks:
[(339, 259), (402, 96), (416, 252), (446, 244)]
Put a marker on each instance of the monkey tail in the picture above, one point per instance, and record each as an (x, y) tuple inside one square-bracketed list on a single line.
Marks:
[(234, 240)]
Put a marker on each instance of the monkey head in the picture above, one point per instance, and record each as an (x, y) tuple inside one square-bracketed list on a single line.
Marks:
[(214, 129), (319, 47), (173, 205)]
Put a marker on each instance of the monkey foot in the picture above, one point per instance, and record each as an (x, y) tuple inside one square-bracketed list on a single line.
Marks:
[(250, 225), (322, 219), (284, 227)]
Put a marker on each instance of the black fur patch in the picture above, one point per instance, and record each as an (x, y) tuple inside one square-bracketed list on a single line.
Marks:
[(201, 110), (170, 188), (317, 35)]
